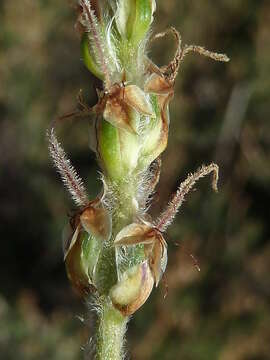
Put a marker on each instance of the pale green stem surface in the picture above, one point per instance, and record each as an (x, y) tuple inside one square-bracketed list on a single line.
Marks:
[(111, 332), (111, 323)]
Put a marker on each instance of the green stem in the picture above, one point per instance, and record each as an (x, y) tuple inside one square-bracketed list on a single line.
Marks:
[(111, 332), (111, 323)]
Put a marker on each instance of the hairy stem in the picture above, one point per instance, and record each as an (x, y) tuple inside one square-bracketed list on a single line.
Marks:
[(111, 323), (111, 332)]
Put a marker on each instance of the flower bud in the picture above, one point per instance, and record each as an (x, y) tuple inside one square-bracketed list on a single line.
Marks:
[(134, 17), (117, 149), (131, 292)]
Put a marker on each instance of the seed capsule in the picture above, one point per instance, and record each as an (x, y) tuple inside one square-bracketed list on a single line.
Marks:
[(81, 254), (131, 292), (83, 242), (75, 271)]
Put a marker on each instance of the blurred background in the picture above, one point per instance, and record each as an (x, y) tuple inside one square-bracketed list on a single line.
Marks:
[(220, 113)]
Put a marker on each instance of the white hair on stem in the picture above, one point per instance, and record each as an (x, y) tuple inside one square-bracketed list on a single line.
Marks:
[(68, 174), (167, 216)]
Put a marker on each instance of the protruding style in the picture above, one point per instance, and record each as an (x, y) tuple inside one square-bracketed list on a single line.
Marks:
[(167, 216), (68, 174)]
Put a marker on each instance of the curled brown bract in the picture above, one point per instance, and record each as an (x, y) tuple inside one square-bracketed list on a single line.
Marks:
[(119, 101)]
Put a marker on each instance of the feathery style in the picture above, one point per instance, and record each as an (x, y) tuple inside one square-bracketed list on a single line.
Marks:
[(69, 176)]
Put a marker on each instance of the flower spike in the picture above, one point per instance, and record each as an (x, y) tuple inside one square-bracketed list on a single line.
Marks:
[(112, 246)]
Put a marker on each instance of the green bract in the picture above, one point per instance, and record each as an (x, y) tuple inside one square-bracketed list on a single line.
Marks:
[(88, 58), (133, 19)]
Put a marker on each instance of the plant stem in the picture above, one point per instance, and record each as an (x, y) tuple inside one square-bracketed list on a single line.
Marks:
[(111, 323), (111, 332)]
